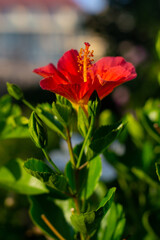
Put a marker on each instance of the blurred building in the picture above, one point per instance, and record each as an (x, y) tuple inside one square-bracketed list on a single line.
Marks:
[(34, 33)]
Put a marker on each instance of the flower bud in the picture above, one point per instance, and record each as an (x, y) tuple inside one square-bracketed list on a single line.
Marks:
[(15, 91), (93, 104), (37, 131)]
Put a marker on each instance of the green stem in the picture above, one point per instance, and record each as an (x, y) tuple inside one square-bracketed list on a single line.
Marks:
[(53, 229), (50, 161), (76, 205), (28, 104), (82, 237), (70, 148), (85, 142), (76, 200)]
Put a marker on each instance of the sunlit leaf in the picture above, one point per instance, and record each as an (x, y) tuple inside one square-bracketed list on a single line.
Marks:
[(62, 112), (44, 173), (14, 177), (112, 226), (94, 173)]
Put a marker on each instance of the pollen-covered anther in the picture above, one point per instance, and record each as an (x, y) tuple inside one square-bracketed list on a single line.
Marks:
[(85, 60)]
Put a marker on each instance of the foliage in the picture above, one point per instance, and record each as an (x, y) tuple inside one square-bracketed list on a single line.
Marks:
[(45, 184)]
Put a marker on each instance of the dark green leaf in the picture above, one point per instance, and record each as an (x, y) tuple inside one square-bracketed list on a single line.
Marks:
[(104, 136), (83, 123), (14, 177), (43, 172), (88, 222), (94, 104), (151, 223), (70, 175), (79, 175), (44, 205), (44, 111)]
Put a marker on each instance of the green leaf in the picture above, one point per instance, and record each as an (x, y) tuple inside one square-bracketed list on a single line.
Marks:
[(94, 173), (107, 200), (14, 127), (12, 124), (112, 226), (80, 175), (135, 129), (106, 117), (44, 173), (119, 230), (104, 136), (151, 223), (70, 175), (14, 177), (87, 223), (37, 131), (15, 91), (83, 123), (5, 106), (144, 177), (149, 126), (94, 104), (62, 112), (147, 154), (44, 205), (62, 100), (44, 111)]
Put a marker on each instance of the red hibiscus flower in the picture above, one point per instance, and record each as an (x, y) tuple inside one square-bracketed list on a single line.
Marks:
[(76, 77)]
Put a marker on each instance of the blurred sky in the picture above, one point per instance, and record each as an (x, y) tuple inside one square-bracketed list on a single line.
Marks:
[(92, 6)]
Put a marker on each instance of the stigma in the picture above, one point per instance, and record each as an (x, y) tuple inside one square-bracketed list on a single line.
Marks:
[(85, 59)]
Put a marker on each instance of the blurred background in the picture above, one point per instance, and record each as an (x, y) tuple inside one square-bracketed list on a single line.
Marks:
[(34, 33)]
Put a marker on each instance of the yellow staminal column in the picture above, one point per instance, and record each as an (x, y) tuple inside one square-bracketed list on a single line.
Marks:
[(84, 60)]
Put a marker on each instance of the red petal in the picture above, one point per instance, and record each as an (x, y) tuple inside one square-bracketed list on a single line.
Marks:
[(50, 71), (114, 69), (51, 84), (103, 91), (73, 92), (109, 72), (45, 71), (68, 66)]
